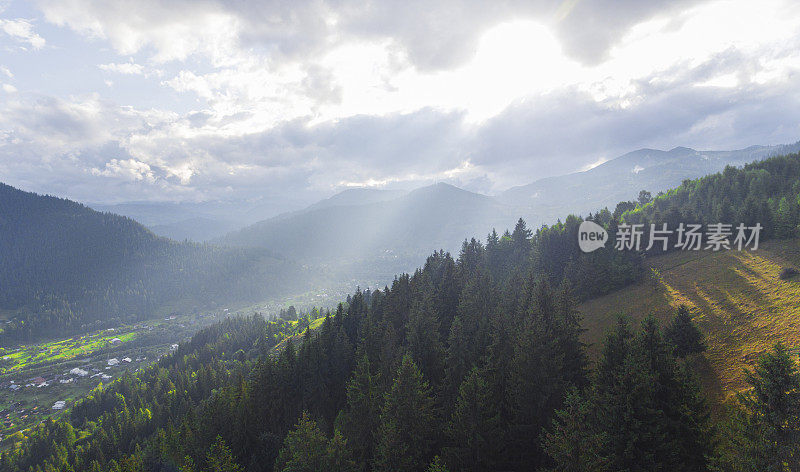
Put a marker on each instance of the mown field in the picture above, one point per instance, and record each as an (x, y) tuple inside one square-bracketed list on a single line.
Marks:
[(737, 299)]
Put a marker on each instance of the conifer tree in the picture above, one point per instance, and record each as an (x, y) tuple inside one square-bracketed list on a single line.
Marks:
[(220, 459), (641, 413), (436, 465), (360, 420), (424, 342), (684, 335), (306, 449), (458, 360), (767, 431), (408, 428), (572, 442), (474, 430), (537, 388)]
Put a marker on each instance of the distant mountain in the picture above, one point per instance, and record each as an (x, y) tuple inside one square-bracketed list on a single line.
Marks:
[(66, 267), (363, 233), (200, 221), (198, 228), (357, 196), (373, 234), (622, 178)]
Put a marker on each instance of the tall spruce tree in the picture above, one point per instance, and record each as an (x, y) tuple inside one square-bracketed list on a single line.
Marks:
[(641, 413), (220, 459), (408, 431), (360, 420), (424, 342), (766, 432), (684, 335), (474, 430), (306, 449)]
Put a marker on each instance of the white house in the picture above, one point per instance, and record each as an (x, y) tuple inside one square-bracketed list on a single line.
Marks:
[(79, 372)]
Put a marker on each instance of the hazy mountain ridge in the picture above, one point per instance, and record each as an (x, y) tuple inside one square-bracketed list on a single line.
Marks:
[(199, 221), (388, 233), (394, 234), (621, 179), (539, 202)]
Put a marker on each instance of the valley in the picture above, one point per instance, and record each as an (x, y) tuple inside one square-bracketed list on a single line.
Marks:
[(461, 336), (34, 377), (342, 236)]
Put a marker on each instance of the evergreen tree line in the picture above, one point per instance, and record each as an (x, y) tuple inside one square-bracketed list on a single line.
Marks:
[(445, 370), (116, 420), (765, 192)]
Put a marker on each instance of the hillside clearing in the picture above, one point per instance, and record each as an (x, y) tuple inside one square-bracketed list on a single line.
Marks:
[(737, 299)]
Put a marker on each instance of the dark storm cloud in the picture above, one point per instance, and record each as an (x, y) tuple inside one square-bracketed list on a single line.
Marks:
[(589, 29), (442, 34)]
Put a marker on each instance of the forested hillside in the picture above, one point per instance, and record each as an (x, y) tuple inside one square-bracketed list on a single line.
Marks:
[(392, 377), (766, 192), (474, 363), (739, 300), (65, 267)]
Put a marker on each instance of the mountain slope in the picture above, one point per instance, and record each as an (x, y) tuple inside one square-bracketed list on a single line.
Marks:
[(197, 228), (737, 299), (469, 335), (357, 196), (65, 266), (200, 221), (395, 235), (622, 178)]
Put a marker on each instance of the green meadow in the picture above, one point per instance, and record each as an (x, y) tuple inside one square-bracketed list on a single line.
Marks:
[(737, 300)]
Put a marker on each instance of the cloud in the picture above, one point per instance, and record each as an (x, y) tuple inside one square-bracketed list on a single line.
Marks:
[(127, 168), (173, 30), (569, 130), (22, 30), (434, 36), (96, 150), (8, 88), (128, 68), (306, 97)]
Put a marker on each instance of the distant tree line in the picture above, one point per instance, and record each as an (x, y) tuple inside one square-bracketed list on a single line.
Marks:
[(765, 192)]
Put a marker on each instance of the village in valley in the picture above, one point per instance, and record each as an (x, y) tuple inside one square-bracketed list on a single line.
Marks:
[(43, 380), (39, 381)]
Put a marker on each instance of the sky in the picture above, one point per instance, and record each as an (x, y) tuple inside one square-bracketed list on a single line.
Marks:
[(110, 101)]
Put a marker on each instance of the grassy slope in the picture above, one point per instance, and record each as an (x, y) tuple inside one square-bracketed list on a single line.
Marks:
[(737, 299)]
